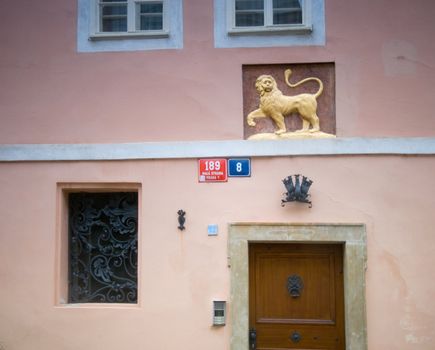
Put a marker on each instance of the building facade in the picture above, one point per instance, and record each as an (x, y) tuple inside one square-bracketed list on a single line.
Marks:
[(117, 102)]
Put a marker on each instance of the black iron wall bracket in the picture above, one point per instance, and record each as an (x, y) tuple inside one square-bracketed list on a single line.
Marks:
[(181, 219), (297, 191)]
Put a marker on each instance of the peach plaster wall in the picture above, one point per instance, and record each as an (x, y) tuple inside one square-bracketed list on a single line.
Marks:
[(182, 272), (52, 94)]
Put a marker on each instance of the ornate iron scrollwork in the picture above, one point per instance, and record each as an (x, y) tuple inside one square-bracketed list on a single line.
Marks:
[(103, 247), (295, 285), (297, 192)]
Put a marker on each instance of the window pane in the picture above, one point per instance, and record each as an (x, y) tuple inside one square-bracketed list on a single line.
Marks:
[(249, 19), (249, 5), (114, 24), (113, 1), (150, 15), (287, 17), (286, 4), (114, 10), (153, 7), (287, 12), (113, 18), (103, 247), (151, 22)]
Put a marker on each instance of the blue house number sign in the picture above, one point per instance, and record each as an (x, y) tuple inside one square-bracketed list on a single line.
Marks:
[(239, 167)]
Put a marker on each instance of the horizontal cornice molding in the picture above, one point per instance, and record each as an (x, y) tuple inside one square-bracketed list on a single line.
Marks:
[(204, 149)]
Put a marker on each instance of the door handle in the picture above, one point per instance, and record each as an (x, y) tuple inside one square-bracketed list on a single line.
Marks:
[(252, 339)]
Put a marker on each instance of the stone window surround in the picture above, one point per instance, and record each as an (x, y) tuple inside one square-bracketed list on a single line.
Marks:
[(62, 240), (353, 236), (170, 38), (269, 27), (312, 35), (132, 16), (222, 39)]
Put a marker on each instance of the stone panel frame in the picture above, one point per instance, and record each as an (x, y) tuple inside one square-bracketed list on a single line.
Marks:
[(352, 236), (325, 71)]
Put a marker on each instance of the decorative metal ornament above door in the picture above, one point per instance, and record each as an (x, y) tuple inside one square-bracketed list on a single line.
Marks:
[(297, 192)]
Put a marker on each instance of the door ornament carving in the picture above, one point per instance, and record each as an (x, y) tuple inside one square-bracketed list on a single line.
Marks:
[(295, 285)]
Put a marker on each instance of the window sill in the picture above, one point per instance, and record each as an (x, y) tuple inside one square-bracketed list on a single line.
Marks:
[(131, 35), (301, 29), (99, 306)]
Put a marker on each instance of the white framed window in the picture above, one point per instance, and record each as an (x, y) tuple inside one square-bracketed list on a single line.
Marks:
[(129, 25), (257, 16), (269, 23), (128, 18)]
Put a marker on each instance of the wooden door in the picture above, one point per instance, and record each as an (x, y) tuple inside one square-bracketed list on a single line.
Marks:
[(296, 296)]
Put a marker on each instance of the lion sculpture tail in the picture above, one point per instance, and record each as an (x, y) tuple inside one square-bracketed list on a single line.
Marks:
[(287, 74)]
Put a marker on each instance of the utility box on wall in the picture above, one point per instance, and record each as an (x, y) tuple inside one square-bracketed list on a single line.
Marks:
[(219, 313)]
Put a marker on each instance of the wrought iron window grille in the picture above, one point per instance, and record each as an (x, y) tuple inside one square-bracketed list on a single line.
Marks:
[(103, 247)]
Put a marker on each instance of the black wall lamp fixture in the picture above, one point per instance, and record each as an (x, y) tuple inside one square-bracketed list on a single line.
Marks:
[(297, 192), (181, 219)]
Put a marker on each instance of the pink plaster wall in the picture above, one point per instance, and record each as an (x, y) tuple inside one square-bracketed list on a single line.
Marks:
[(181, 273), (49, 93)]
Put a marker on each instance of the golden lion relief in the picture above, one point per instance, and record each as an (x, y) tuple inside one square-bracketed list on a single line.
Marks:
[(275, 105)]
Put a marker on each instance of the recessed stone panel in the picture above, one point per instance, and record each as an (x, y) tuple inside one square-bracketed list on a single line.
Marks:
[(325, 102)]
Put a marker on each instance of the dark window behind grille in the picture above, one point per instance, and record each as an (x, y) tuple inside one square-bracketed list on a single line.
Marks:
[(103, 247)]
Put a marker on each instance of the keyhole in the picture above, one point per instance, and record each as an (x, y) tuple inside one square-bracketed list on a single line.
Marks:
[(295, 337)]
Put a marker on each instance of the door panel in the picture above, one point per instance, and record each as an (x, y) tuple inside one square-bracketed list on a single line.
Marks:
[(296, 296)]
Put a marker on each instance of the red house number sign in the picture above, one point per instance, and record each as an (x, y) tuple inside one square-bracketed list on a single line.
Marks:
[(212, 170)]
